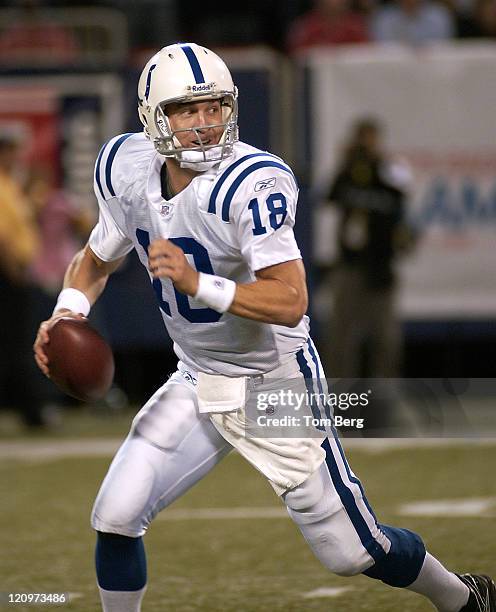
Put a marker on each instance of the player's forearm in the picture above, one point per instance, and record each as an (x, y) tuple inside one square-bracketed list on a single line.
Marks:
[(86, 275), (270, 301)]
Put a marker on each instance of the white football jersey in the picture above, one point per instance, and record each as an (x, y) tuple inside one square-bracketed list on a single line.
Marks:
[(230, 221)]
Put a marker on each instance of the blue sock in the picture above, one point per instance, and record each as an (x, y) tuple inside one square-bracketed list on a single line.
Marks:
[(120, 562)]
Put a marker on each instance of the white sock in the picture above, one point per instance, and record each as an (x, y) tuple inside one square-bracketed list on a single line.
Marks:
[(121, 601), (446, 591)]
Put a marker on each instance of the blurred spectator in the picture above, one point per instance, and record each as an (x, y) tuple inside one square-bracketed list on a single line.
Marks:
[(18, 247), (480, 24), (330, 22), (368, 193), (63, 228), (18, 235), (413, 22), (33, 37)]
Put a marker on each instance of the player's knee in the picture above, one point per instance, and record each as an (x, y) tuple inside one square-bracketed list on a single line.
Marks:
[(341, 560), (125, 522), (349, 566), (329, 533), (346, 569), (124, 503), (338, 555), (122, 509), (114, 522)]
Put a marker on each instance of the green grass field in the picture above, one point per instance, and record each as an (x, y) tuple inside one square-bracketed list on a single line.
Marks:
[(235, 564)]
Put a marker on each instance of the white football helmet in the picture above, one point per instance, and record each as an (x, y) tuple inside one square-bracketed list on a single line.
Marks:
[(186, 72)]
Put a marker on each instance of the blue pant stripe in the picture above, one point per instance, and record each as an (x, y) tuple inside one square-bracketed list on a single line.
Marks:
[(313, 353), (374, 549), (352, 478), (307, 375)]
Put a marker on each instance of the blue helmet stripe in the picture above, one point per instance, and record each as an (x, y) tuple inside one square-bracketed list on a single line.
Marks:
[(149, 80), (194, 63), (226, 205), (110, 159), (229, 170)]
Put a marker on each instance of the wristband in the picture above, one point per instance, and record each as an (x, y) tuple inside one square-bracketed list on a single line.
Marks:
[(215, 291), (73, 300)]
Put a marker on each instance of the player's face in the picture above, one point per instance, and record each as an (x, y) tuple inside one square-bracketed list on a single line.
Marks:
[(205, 116)]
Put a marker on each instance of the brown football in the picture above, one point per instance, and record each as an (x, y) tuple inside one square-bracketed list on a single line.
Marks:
[(81, 362)]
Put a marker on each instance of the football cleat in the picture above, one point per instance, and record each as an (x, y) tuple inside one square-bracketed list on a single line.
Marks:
[(482, 593)]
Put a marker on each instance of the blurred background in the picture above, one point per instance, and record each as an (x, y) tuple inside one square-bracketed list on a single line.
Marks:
[(385, 110)]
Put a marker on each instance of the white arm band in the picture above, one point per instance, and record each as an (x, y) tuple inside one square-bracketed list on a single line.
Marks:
[(74, 300), (215, 291)]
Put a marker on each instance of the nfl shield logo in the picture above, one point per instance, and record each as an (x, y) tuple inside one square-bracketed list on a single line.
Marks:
[(165, 209)]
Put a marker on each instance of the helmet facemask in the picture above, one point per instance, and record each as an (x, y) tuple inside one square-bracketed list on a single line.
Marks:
[(169, 145)]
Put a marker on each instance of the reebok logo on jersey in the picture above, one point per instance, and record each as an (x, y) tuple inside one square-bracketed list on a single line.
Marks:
[(265, 184), (189, 377)]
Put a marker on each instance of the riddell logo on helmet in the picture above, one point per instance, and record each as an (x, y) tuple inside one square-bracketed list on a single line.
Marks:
[(201, 88)]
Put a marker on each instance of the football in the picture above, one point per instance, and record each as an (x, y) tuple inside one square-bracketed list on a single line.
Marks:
[(81, 362)]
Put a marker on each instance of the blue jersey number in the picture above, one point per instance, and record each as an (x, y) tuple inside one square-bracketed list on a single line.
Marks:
[(202, 263), (278, 209)]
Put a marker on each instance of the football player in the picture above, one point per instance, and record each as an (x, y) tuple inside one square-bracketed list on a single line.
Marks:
[(211, 219)]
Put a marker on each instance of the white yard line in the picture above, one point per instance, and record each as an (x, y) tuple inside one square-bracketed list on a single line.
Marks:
[(73, 596), (483, 507), (46, 450), (221, 514), (326, 592)]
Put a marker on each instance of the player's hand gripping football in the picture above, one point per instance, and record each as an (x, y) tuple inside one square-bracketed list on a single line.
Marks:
[(42, 338), (167, 260)]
